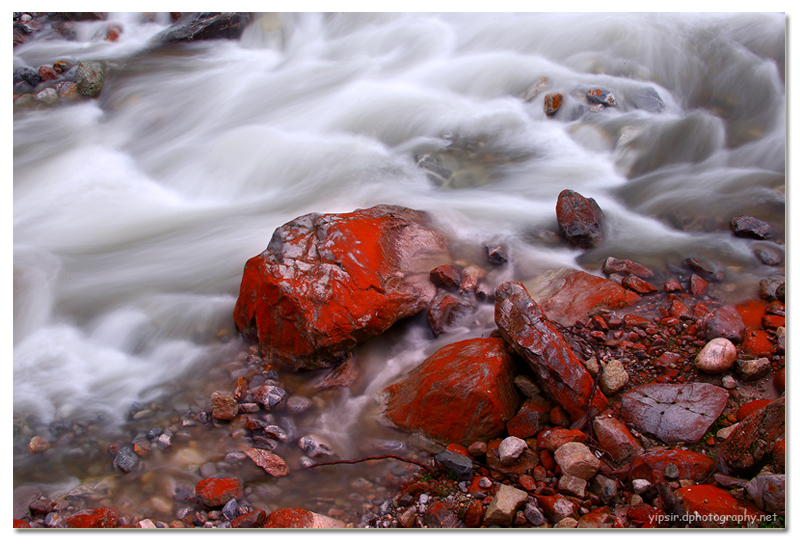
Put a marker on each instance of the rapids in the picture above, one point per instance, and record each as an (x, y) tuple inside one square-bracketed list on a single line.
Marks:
[(134, 213)]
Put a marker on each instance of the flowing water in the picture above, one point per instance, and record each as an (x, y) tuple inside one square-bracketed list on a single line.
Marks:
[(134, 213)]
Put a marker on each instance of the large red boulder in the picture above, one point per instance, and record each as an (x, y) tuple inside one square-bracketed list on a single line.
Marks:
[(580, 219), (567, 295), (328, 282), (463, 393), (523, 324)]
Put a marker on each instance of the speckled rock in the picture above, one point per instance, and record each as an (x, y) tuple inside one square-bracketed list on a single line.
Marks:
[(716, 357)]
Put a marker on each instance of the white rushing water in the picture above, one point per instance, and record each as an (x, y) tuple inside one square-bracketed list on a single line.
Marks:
[(135, 213)]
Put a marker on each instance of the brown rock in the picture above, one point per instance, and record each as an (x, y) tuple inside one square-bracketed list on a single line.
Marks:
[(753, 369), (463, 393), (523, 324), (580, 219), (504, 505), (38, 444), (446, 313), (327, 282), (576, 459), (552, 439), (626, 266), (446, 276), (746, 226), (223, 406)]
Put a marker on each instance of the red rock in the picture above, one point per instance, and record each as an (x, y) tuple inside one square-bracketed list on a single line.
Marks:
[(556, 507), (214, 492), (567, 296), (446, 313), (553, 439), (101, 518), (580, 219), (601, 517), (691, 465), (223, 406), (780, 380), (724, 322), (773, 321), (666, 359), (523, 324), (748, 448), (21, 524), (559, 417), (635, 283), (641, 513), (715, 507), (47, 73), (272, 464), (615, 438), (626, 266), (751, 407), (474, 515), (344, 374), (440, 516), (779, 455), (531, 419), (547, 460), (674, 413), (745, 226), (458, 448), (300, 518), (463, 393), (756, 342), (250, 520), (552, 103), (327, 282), (752, 311), (473, 275), (679, 310), (672, 286), (446, 276), (697, 285)]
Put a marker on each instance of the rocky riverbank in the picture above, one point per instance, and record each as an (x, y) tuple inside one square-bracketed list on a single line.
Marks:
[(616, 395), (636, 400)]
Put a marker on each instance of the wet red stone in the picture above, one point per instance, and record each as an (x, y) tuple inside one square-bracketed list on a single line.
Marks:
[(458, 448), (289, 518), (250, 520), (552, 103), (773, 321), (47, 73), (531, 419), (463, 393), (635, 283), (780, 380), (580, 219), (691, 465), (215, 492), (672, 286), (697, 285), (715, 504), (446, 276), (327, 282), (21, 524), (746, 450), (751, 407), (101, 518), (756, 342), (553, 439), (547, 460), (752, 311)]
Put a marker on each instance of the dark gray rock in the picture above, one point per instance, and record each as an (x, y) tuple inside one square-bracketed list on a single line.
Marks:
[(205, 26), (460, 465), (746, 226), (126, 460), (231, 509)]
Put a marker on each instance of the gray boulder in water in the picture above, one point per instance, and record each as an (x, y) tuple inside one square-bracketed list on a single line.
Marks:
[(205, 26)]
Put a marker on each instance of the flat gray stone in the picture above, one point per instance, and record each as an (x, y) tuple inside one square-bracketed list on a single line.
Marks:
[(674, 413)]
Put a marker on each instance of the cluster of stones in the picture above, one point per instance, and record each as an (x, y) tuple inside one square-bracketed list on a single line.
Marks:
[(61, 82), (597, 402), (592, 100)]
